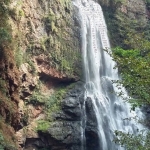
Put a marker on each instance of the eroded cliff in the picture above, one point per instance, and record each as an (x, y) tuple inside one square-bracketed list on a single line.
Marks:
[(39, 53)]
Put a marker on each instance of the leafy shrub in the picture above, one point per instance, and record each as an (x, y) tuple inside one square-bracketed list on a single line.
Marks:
[(140, 141), (125, 53), (135, 75), (38, 98)]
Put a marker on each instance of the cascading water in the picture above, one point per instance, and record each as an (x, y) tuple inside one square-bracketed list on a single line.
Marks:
[(110, 110)]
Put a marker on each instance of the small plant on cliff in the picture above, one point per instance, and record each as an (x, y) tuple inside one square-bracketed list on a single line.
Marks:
[(38, 98), (43, 125), (4, 35), (53, 104), (1, 142), (19, 57)]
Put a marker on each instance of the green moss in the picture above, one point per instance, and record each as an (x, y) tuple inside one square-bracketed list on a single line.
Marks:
[(4, 35), (19, 57), (7, 142), (43, 125), (38, 98), (53, 27), (32, 66), (52, 105), (126, 53), (21, 13)]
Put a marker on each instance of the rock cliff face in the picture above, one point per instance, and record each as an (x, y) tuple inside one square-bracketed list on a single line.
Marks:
[(48, 54), (125, 20), (39, 58), (40, 51), (66, 131)]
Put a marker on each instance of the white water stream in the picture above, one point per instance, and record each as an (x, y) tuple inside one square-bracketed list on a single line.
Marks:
[(110, 110)]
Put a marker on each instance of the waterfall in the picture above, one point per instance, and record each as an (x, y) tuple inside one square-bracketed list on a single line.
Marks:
[(110, 109)]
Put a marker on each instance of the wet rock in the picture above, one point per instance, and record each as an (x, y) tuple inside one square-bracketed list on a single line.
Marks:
[(65, 131), (91, 130), (90, 115)]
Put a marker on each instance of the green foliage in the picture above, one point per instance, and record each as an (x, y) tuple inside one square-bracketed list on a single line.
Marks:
[(43, 125), (38, 98), (19, 57), (1, 142), (138, 41), (5, 145), (31, 64), (4, 35), (3, 9), (21, 13), (140, 141), (133, 60), (5, 29), (125, 53), (134, 70), (53, 105), (62, 54)]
